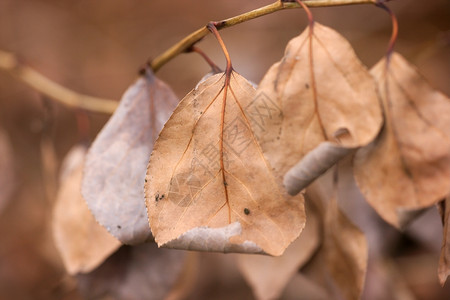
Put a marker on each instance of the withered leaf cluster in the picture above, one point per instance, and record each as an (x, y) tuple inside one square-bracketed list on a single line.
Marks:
[(111, 177), (226, 171)]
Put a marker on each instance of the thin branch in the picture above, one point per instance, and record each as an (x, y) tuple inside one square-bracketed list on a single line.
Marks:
[(199, 34), (42, 84)]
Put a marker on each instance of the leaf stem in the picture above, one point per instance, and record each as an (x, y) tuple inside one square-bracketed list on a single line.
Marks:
[(44, 85), (394, 34), (51, 89), (212, 27), (214, 68), (311, 66), (199, 34)]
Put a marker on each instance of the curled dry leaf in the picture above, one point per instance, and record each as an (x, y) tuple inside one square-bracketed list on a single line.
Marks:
[(7, 177), (116, 163), (134, 272), (444, 260), (209, 186), (324, 93), (82, 242), (408, 166), (268, 276), (312, 165)]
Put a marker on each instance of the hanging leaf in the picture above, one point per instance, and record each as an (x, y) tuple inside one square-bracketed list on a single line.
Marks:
[(444, 260), (116, 162), (302, 288), (209, 186), (344, 253), (82, 242), (134, 272), (318, 92), (408, 166), (7, 172), (268, 276)]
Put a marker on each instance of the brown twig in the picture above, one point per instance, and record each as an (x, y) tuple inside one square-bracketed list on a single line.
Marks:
[(49, 88), (199, 34), (42, 84)]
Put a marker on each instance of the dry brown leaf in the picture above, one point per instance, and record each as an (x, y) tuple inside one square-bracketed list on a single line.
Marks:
[(312, 165), (325, 94), (268, 276), (347, 251), (201, 198), (82, 242), (116, 163), (302, 288), (408, 166), (7, 172), (187, 278), (134, 272), (444, 260), (344, 252)]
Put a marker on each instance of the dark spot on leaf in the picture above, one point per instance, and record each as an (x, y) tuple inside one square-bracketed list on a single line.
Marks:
[(158, 197), (145, 179), (306, 85), (119, 227), (246, 211), (225, 183)]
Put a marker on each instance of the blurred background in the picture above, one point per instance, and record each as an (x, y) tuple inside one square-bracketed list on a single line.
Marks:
[(97, 48)]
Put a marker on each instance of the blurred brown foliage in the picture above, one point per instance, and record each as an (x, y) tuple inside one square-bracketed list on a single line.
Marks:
[(97, 47)]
